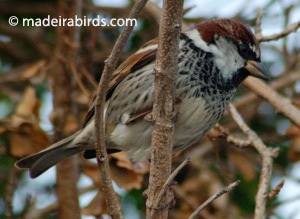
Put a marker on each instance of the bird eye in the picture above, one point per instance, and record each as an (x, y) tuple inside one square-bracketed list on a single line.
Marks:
[(244, 49)]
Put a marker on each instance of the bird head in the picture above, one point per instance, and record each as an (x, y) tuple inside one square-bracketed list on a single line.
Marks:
[(235, 50)]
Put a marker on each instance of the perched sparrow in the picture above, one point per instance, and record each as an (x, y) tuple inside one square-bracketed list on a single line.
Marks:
[(214, 58)]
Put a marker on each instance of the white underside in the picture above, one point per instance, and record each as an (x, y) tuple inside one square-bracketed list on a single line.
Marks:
[(136, 138)]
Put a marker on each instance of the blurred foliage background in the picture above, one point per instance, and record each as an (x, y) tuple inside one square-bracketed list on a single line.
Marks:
[(28, 119)]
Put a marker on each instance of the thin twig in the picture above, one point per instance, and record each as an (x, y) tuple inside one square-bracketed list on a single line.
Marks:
[(169, 181), (267, 154), (180, 193), (74, 71), (110, 64), (214, 197), (89, 76), (275, 191), (258, 22), (224, 133), (282, 34)]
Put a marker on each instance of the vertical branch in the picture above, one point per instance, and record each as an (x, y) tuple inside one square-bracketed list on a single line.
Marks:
[(10, 188), (67, 40), (267, 154), (260, 13), (163, 108), (113, 206)]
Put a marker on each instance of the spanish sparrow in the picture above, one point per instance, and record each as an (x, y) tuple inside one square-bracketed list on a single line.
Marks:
[(214, 58)]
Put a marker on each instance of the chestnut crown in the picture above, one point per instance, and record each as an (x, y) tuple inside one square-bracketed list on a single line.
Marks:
[(236, 48)]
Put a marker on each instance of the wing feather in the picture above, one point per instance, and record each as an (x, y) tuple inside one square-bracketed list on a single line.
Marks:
[(142, 57)]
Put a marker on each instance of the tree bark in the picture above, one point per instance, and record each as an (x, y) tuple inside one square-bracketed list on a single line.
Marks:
[(67, 43), (163, 107)]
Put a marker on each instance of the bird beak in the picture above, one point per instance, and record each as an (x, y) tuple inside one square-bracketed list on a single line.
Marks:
[(258, 70)]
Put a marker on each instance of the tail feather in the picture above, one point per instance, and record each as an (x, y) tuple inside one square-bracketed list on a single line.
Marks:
[(50, 159), (42, 161)]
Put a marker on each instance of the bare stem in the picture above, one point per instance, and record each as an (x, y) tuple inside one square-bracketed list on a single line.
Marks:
[(258, 22), (267, 154), (169, 181), (214, 197), (113, 205), (282, 34)]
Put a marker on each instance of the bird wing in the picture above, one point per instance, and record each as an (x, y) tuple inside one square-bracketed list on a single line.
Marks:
[(141, 58)]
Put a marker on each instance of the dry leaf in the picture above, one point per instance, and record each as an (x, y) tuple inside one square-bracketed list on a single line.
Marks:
[(71, 124), (26, 140), (123, 172), (23, 131), (82, 99), (33, 69), (123, 161), (92, 171), (126, 174), (244, 165), (97, 206), (27, 109)]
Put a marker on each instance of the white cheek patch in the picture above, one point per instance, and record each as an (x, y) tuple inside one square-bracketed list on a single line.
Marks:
[(199, 42), (225, 53), (228, 59)]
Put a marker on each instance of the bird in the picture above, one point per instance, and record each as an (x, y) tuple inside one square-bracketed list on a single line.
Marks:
[(214, 58)]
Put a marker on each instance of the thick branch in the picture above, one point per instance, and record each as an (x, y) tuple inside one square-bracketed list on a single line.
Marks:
[(62, 84), (166, 68), (112, 203), (10, 189), (156, 11)]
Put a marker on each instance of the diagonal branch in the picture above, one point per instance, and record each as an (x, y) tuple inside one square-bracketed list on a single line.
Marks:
[(280, 103), (169, 181), (214, 197), (110, 64), (294, 27), (277, 84)]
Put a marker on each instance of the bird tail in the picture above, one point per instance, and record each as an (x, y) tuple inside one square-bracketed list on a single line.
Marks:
[(43, 160)]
